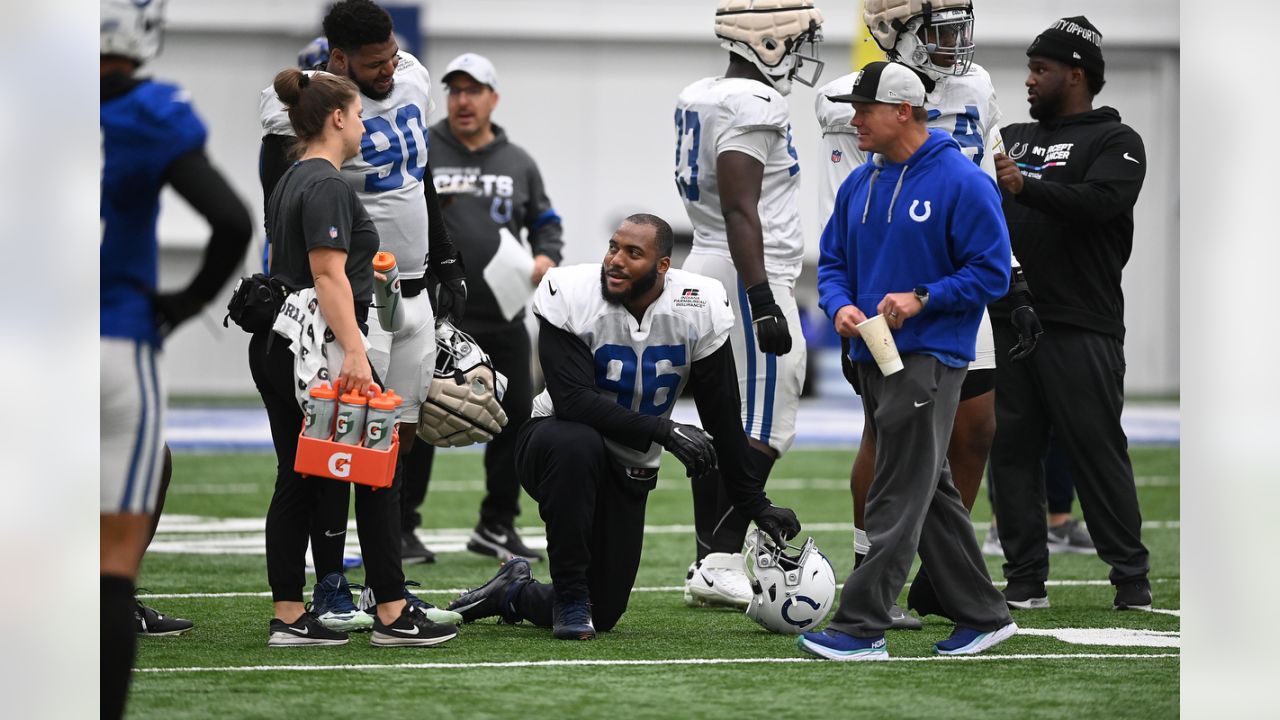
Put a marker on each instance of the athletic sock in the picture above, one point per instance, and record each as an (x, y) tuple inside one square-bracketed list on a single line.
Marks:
[(861, 546), (119, 642)]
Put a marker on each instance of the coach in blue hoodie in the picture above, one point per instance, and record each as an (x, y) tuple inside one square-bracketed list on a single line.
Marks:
[(917, 235)]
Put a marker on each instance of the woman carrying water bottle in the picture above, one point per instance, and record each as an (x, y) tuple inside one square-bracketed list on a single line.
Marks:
[(323, 238)]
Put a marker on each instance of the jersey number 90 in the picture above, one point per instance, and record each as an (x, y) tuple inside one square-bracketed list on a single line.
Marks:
[(399, 149)]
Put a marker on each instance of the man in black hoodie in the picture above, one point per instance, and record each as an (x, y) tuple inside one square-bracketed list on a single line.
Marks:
[(493, 186), (1070, 181)]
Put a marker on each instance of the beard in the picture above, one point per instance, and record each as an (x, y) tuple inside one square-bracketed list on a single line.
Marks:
[(368, 90), (1045, 108), (639, 286)]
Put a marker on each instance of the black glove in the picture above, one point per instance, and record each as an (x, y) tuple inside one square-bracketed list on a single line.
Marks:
[(691, 445), (174, 308), (451, 290), (1023, 317), (779, 523), (1029, 331), (772, 334)]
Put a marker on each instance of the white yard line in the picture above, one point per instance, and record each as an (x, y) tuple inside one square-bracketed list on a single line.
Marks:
[(191, 524), (652, 589), (634, 663), (665, 484)]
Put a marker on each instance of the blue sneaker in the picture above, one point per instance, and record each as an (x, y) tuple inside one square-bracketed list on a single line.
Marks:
[(368, 604), (835, 645), (331, 603), (967, 641), (573, 621), (495, 597)]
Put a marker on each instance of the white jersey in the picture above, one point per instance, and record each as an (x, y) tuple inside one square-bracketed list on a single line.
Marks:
[(964, 106), (642, 365), (388, 172), (712, 116)]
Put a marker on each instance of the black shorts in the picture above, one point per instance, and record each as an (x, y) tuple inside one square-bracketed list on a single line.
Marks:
[(978, 382)]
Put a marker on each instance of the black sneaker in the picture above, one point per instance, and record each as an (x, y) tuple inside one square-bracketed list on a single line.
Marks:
[(412, 550), (1134, 595), (1026, 595), (306, 630), (494, 597), (573, 621), (411, 629), (923, 598), (153, 624), (901, 621), (500, 541)]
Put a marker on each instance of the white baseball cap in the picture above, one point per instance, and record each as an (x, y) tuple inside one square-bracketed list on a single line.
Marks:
[(885, 82), (477, 66)]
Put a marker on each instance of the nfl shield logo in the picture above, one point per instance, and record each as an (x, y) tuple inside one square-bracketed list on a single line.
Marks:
[(836, 156)]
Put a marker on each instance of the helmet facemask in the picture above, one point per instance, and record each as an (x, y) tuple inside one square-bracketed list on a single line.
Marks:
[(938, 44), (772, 35)]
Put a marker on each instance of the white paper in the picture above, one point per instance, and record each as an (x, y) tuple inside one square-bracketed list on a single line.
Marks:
[(510, 274)]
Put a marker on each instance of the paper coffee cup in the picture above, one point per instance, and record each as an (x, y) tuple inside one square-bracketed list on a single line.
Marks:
[(875, 333)]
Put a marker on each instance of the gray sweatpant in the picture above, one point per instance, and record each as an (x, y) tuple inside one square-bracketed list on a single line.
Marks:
[(914, 505)]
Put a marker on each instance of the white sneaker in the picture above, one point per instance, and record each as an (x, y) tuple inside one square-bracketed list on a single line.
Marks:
[(992, 546), (719, 579)]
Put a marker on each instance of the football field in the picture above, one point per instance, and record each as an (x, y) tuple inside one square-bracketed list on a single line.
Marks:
[(1078, 658)]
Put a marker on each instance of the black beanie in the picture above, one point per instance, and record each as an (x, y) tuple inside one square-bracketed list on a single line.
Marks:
[(1074, 41)]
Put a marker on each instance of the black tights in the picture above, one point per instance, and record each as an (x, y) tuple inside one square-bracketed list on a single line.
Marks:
[(298, 501)]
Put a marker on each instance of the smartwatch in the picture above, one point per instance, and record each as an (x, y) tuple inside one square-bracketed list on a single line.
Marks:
[(922, 294)]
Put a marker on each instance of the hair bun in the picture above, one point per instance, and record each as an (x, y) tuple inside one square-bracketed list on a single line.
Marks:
[(303, 80)]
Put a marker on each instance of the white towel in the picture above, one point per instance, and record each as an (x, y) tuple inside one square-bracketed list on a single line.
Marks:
[(317, 356)]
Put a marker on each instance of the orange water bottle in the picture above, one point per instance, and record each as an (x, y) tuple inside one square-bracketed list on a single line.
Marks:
[(321, 407), (380, 422), (386, 293), (350, 423)]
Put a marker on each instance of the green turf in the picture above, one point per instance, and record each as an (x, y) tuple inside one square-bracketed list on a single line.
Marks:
[(231, 632)]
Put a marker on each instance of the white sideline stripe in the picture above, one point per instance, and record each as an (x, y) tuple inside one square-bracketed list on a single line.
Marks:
[(652, 589), (633, 663), (665, 484), (192, 524)]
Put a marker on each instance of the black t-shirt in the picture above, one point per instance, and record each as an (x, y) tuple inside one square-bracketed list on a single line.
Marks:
[(313, 207)]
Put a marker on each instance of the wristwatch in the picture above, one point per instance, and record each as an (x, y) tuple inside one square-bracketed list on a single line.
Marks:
[(922, 294)]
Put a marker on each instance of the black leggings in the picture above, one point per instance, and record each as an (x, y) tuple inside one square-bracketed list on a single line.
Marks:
[(298, 500)]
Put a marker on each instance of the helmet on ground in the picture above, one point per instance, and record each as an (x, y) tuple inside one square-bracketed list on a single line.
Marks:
[(463, 402), (315, 55), (792, 592), (932, 36), (771, 35), (132, 29)]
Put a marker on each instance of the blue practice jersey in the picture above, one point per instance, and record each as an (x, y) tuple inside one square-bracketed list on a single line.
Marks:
[(144, 130)]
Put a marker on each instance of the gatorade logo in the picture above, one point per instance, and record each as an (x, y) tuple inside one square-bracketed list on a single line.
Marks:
[(340, 464), (374, 431), (344, 423)]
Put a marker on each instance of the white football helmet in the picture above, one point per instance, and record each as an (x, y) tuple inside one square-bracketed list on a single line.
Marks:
[(770, 33), (932, 36), (132, 28), (793, 593), (462, 405)]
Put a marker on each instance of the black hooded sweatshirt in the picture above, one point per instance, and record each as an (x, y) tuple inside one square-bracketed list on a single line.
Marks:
[(1072, 225)]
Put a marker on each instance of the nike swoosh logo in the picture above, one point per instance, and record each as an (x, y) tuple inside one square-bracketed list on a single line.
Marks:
[(922, 404), (765, 98), (708, 581), (414, 631), (1131, 159), (302, 631), (500, 539), (334, 534), (552, 288)]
